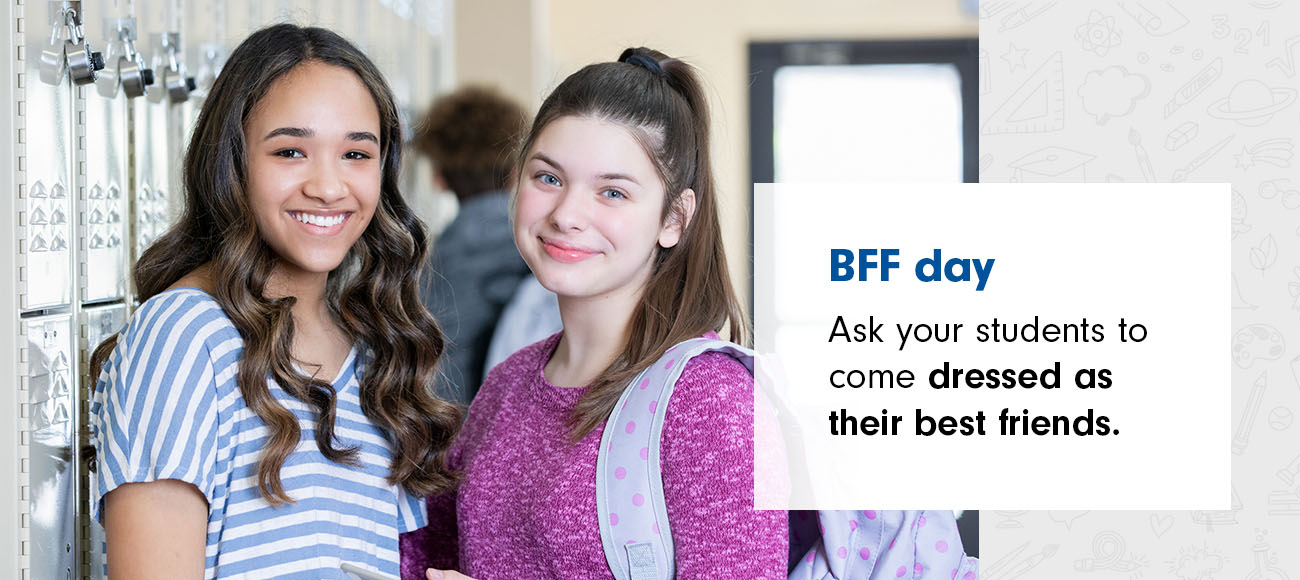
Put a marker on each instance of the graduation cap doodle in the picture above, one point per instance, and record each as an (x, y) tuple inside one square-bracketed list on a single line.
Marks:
[(1050, 164)]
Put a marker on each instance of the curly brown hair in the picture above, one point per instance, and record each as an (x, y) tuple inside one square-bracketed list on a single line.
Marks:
[(469, 135), (373, 296)]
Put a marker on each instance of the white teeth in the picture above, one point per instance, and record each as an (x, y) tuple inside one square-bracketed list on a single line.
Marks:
[(318, 220)]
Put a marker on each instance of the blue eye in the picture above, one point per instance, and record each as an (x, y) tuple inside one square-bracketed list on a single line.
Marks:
[(613, 194), (288, 153), (549, 179)]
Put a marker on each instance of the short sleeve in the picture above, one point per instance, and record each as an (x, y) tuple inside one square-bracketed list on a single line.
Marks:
[(412, 513), (155, 407)]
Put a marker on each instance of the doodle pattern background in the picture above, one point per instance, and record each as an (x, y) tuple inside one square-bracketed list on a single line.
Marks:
[(1158, 90)]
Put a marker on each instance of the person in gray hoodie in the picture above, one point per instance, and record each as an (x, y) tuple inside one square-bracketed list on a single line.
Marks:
[(474, 267)]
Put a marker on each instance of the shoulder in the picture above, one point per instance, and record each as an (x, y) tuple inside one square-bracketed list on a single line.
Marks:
[(715, 375), (178, 309), (713, 398), (524, 361), (174, 329), (518, 368)]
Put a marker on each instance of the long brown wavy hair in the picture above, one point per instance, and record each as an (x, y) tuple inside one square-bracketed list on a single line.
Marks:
[(372, 295), (689, 291)]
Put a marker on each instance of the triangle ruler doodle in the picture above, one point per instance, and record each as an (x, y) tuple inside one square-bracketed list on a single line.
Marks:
[(1037, 106)]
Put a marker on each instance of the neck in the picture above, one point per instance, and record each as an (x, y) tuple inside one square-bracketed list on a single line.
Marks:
[(308, 289), (595, 329)]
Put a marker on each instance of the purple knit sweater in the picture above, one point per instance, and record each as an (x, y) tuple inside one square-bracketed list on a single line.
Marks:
[(527, 505)]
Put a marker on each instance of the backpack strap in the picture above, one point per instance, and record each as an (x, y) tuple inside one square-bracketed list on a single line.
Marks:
[(634, 528)]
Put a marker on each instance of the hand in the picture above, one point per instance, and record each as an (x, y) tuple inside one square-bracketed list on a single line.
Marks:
[(432, 574)]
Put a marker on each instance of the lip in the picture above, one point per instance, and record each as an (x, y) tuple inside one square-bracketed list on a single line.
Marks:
[(319, 230), (566, 253)]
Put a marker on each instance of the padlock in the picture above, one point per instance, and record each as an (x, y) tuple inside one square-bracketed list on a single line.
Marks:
[(53, 62), (106, 82), (136, 77), (83, 61), (120, 55), (177, 84), (134, 74)]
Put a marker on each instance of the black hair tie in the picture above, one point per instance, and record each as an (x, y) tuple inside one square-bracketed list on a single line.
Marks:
[(647, 63)]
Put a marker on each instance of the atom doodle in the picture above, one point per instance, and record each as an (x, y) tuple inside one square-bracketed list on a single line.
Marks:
[(1099, 34)]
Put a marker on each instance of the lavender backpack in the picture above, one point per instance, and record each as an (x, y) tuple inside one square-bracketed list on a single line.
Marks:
[(824, 545)]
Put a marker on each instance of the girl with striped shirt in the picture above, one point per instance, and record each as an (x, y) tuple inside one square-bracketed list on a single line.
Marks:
[(268, 411)]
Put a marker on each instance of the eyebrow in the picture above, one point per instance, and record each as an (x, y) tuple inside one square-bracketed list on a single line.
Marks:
[(363, 136), (604, 176), (308, 133), (290, 132)]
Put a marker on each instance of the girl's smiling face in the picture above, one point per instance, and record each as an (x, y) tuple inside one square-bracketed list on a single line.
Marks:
[(588, 211), (314, 168)]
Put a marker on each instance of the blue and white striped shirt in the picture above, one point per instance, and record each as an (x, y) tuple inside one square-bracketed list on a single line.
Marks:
[(167, 406)]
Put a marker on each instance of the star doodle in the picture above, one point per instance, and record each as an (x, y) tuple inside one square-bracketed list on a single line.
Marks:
[(1015, 57)]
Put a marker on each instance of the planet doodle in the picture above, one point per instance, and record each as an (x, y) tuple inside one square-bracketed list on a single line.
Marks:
[(1252, 103)]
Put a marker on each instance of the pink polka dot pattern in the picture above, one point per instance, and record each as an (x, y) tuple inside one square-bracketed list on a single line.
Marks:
[(899, 545), (917, 542)]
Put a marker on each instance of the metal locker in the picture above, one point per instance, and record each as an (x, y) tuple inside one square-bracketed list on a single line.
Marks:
[(50, 467), (97, 324), (151, 209), (154, 138), (45, 253), (103, 263)]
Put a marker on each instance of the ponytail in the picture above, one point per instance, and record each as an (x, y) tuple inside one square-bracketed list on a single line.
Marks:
[(661, 101)]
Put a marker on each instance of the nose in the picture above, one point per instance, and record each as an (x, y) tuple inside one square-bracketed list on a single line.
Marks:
[(326, 183), (570, 211)]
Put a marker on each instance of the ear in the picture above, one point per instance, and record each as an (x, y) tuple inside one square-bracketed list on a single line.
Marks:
[(679, 217)]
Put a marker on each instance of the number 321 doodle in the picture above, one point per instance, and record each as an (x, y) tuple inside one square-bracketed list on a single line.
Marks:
[(1243, 36)]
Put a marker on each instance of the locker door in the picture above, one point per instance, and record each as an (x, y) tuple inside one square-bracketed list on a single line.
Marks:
[(50, 467), (97, 324), (45, 253)]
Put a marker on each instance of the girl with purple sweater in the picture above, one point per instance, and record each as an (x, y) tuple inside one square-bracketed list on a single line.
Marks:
[(615, 212)]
